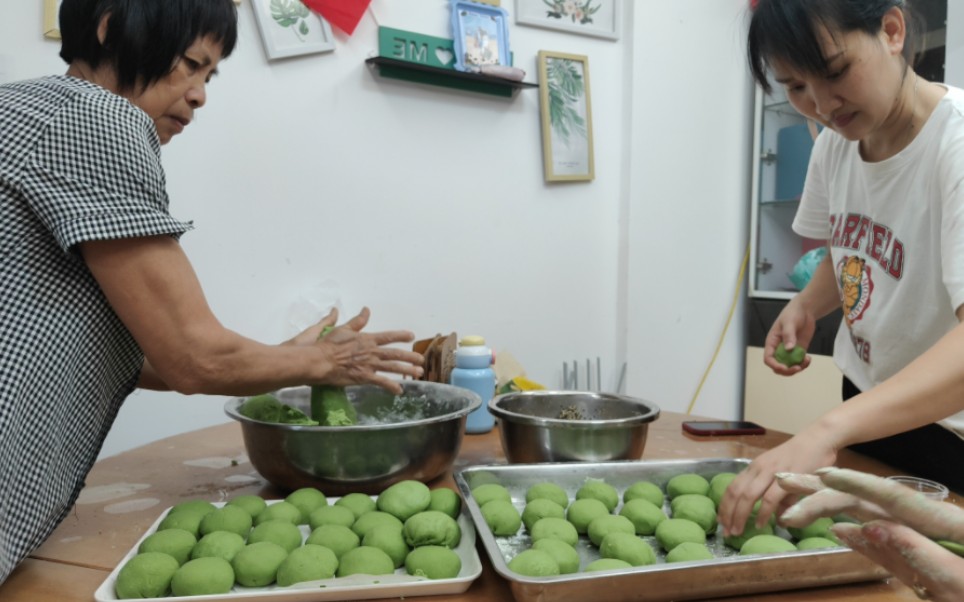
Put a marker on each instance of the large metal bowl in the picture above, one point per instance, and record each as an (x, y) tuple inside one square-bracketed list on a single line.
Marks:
[(413, 436), (572, 426)]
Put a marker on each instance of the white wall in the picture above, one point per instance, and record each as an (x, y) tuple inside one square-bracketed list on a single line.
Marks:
[(314, 181)]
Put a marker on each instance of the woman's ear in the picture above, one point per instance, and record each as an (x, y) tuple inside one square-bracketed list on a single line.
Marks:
[(102, 28), (894, 30)]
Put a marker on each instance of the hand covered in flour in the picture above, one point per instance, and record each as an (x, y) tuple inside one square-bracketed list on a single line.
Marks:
[(900, 527)]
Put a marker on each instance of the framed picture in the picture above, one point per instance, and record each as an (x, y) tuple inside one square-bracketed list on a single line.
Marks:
[(599, 18), (480, 35), (566, 115), (51, 23), (289, 28)]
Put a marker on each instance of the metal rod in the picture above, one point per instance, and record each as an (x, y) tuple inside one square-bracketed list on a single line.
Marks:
[(588, 376), (598, 373), (622, 379), (565, 375)]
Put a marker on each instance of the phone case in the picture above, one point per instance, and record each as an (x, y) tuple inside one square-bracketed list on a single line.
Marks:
[(719, 429)]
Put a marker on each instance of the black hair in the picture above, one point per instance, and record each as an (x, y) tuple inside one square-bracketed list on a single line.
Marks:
[(145, 38), (786, 30)]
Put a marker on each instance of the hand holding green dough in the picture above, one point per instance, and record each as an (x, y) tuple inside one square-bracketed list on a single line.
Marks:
[(330, 405), (790, 357)]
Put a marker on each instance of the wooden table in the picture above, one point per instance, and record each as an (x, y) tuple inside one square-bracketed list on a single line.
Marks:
[(126, 493)]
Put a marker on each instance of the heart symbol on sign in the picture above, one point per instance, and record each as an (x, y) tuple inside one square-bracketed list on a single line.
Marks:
[(444, 55)]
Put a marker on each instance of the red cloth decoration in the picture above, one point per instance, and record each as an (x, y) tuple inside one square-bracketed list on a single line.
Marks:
[(343, 14)]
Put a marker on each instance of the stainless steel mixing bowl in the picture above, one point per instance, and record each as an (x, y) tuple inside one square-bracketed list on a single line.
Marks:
[(572, 426), (413, 436)]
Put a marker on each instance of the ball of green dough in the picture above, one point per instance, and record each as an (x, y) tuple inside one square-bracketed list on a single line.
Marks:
[(645, 490), (447, 501), (607, 564), (221, 544), (689, 551), (281, 532), (365, 560), (674, 531), (548, 491), (198, 507), (766, 544), (644, 515), (186, 521), (687, 483), (389, 540), (433, 528), (627, 547), (564, 554), (256, 564), (599, 490), (502, 517), (307, 563), (582, 512), (337, 538), (373, 519), (554, 528), (306, 500), (718, 485), (331, 515), (698, 508), (252, 504), (229, 518), (358, 503), (404, 499), (173, 542), (818, 528), (203, 576), (434, 562), (789, 357), (488, 492), (813, 543), (611, 523), (146, 575), (749, 530), (534, 563), (541, 508), (279, 511)]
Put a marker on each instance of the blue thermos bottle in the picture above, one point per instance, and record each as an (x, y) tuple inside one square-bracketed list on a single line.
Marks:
[(473, 371)]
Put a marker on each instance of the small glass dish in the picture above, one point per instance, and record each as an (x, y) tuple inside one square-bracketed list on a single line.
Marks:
[(930, 489)]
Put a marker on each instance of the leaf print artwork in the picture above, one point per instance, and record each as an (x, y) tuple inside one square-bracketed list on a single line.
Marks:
[(566, 90), (291, 14), (577, 12), (566, 116)]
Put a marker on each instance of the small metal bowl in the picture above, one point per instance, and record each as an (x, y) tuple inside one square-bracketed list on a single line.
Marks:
[(572, 426), (413, 436)]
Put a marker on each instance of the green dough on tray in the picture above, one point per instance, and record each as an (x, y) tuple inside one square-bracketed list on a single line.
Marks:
[(534, 563), (331, 515), (766, 544), (627, 547), (365, 560), (252, 504), (176, 543), (674, 531), (195, 507), (645, 490), (185, 521), (280, 511), (281, 532), (389, 540), (490, 491), (541, 508), (813, 543), (599, 490), (687, 483), (228, 518), (564, 554), (432, 528), (688, 551), (718, 485), (582, 512), (337, 538), (203, 576), (373, 519), (549, 491), (445, 500), (256, 565), (698, 508), (306, 500), (404, 499), (749, 531), (818, 528), (146, 575), (607, 564), (307, 563), (602, 526), (221, 544), (434, 562), (554, 528), (358, 503), (644, 515), (502, 517)]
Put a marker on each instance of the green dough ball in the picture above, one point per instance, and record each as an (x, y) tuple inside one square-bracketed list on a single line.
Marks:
[(564, 554), (306, 500), (365, 560), (627, 547), (404, 499), (687, 483), (279, 511), (307, 563), (789, 357), (952, 546), (766, 544), (256, 564), (548, 491), (582, 512), (688, 551), (484, 494), (645, 490), (749, 531), (644, 515), (611, 523), (541, 508), (186, 521), (265, 408), (203, 576), (220, 544), (599, 490), (818, 528), (813, 543), (447, 501), (373, 519), (607, 564), (281, 532), (331, 515), (554, 528), (534, 563), (434, 528), (718, 485), (358, 503), (198, 507), (698, 508), (674, 531), (146, 575), (337, 538), (434, 562), (252, 504), (173, 542), (389, 540), (502, 517), (228, 518)]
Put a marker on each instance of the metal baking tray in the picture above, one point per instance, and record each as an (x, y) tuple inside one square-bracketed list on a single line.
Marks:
[(727, 574)]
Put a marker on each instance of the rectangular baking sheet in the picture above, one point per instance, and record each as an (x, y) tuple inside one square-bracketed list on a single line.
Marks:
[(727, 574), (354, 587)]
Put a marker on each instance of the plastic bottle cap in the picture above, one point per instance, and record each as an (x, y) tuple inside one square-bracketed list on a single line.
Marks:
[(472, 341)]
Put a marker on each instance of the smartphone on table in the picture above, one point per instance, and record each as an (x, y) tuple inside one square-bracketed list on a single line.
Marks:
[(719, 428)]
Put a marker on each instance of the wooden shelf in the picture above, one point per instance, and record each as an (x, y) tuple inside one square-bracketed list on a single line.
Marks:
[(448, 78)]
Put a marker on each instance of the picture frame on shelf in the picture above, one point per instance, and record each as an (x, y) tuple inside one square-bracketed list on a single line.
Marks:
[(480, 35), (51, 22), (597, 18), (565, 111), (288, 28)]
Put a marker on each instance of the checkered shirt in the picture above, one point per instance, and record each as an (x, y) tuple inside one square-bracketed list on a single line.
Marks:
[(77, 163)]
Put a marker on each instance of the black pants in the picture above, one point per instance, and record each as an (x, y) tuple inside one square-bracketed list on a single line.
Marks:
[(931, 451)]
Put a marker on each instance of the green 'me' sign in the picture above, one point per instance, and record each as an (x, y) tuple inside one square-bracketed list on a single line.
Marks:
[(416, 48)]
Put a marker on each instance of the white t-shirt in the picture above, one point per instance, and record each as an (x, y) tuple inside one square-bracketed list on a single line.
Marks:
[(896, 232)]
